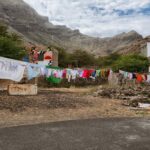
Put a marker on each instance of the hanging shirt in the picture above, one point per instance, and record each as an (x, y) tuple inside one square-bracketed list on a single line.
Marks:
[(74, 74), (48, 56), (148, 78), (33, 72), (130, 76), (139, 78), (80, 73), (64, 73), (98, 73), (11, 71)]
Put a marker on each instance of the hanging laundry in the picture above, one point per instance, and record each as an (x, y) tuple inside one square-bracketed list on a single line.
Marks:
[(43, 71), (68, 76), (55, 76), (26, 59), (130, 76), (41, 55), (86, 73), (11, 70), (33, 72), (148, 78), (54, 80), (98, 73), (93, 73), (103, 73), (74, 74), (139, 78), (134, 75), (64, 73), (48, 55), (80, 73)]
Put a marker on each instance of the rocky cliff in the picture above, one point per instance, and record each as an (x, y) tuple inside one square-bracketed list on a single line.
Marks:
[(23, 19)]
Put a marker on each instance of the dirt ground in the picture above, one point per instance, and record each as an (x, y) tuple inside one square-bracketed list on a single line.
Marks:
[(61, 104)]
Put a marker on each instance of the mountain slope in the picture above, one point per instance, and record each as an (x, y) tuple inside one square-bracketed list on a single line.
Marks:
[(23, 19)]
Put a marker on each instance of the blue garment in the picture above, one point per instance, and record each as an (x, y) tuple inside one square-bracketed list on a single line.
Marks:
[(26, 59), (33, 72), (94, 73)]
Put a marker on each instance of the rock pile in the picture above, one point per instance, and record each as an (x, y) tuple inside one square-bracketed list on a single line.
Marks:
[(130, 96)]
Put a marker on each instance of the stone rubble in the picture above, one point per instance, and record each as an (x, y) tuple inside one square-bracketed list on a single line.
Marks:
[(131, 96)]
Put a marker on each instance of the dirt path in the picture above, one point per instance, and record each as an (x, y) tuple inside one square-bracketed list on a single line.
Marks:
[(58, 105)]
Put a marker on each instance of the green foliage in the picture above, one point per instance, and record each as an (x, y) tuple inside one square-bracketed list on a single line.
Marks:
[(131, 63), (78, 58), (3, 30), (107, 61), (15, 37), (81, 58), (64, 57), (10, 44)]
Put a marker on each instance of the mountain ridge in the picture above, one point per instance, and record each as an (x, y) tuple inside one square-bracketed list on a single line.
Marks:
[(24, 20)]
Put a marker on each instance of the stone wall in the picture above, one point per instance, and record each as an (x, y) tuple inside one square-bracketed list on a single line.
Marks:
[(4, 84)]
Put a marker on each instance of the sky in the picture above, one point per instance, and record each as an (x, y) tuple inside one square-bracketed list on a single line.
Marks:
[(99, 18)]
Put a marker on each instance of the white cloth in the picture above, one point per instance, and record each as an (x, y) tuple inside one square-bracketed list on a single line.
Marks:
[(74, 74), (11, 70), (148, 78)]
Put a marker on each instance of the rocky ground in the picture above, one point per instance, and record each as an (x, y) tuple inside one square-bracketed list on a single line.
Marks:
[(130, 96), (63, 104)]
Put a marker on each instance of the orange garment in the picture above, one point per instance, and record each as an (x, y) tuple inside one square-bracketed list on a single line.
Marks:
[(139, 78)]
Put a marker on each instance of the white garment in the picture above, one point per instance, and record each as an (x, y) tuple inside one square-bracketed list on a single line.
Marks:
[(74, 74), (130, 76), (11, 70), (148, 78)]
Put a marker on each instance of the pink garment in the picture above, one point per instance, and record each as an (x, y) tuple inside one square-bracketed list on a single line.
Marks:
[(35, 55), (64, 73)]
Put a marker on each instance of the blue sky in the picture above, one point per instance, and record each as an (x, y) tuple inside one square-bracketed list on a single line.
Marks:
[(100, 18)]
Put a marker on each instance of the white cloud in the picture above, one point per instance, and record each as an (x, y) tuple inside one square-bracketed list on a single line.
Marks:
[(96, 17)]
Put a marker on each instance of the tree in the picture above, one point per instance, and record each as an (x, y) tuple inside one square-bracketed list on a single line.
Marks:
[(132, 63), (82, 58), (107, 61), (10, 44), (3, 30), (15, 37), (10, 49)]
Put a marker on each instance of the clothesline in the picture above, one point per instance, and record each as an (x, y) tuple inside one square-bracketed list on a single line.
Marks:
[(15, 70), (139, 77), (35, 70)]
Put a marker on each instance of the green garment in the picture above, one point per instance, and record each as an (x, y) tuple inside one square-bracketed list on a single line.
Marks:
[(98, 73), (52, 79)]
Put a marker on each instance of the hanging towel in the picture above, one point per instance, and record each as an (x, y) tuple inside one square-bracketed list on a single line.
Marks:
[(33, 72), (11, 70)]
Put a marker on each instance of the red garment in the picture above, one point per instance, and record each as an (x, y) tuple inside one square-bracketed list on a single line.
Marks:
[(90, 72), (87, 73), (64, 73), (139, 78), (48, 56)]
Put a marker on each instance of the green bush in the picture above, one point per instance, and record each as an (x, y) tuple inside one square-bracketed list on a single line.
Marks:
[(131, 63), (81, 58), (78, 58), (10, 44)]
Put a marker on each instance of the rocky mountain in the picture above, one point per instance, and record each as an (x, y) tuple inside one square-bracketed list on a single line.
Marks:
[(23, 19)]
